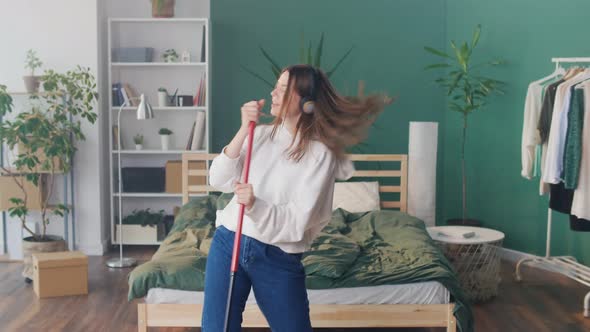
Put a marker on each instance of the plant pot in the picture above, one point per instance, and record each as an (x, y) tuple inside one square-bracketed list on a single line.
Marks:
[(138, 146), (31, 83), (165, 141), (466, 222), (162, 99), (163, 8), (52, 244)]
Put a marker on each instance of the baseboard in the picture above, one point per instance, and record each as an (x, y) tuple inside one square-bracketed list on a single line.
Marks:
[(93, 249)]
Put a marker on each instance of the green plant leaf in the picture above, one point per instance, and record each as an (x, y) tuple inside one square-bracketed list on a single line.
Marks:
[(275, 67), (330, 72), (318, 55), (302, 49), (309, 58), (437, 52), (476, 35), (257, 76)]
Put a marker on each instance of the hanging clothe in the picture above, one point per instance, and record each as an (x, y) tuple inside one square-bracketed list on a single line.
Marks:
[(581, 201), (573, 141), (553, 168), (530, 133)]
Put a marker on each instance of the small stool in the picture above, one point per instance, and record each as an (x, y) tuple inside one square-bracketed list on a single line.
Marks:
[(476, 259), (60, 273)]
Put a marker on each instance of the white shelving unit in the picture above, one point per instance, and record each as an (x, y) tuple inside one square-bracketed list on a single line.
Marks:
[(146, 77)]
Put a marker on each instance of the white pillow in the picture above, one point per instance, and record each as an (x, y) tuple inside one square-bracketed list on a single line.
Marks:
[(356, 196)]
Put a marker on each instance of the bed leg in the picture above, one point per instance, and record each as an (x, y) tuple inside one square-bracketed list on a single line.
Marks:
[(451, 320), (142, 317)]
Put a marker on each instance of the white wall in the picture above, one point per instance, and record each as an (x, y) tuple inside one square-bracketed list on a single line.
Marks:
[(64, 34)]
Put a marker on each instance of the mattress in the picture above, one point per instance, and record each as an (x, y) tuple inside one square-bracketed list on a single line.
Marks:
[(430, 292)]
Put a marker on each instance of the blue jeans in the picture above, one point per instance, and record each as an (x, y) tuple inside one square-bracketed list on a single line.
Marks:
[(277, 278)]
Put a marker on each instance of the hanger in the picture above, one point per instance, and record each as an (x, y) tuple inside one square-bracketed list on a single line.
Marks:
[(559, 71)]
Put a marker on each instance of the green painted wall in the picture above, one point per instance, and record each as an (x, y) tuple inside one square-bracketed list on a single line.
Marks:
[(389, 37), (527, 33)]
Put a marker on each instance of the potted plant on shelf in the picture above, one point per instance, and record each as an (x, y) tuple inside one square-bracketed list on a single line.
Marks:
[(138, 140), (162, 97), (45, 135), (468, 91), (32, 62), (170, 55), (165, 137), (163, 8)]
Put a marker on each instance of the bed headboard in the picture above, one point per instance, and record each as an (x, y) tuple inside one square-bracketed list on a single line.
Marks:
[(399, 171)]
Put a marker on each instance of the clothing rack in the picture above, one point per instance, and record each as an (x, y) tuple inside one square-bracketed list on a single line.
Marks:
[(566, 265)]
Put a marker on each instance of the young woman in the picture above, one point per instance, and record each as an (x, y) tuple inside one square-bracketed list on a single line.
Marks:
[(288, 200)]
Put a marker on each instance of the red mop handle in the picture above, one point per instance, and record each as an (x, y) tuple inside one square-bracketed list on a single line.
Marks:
[(236, 251)]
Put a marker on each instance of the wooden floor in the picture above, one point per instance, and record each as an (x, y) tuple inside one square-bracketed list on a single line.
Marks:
[(543, 302)]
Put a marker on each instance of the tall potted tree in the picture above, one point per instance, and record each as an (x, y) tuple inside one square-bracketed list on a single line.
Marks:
[(45, 135), (467, 91)]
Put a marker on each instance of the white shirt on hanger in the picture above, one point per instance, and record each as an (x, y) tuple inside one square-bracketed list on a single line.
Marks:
[(581, 201), (556, 143), (530, 133)]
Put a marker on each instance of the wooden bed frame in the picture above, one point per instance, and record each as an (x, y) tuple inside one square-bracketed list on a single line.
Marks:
[(322, 316)]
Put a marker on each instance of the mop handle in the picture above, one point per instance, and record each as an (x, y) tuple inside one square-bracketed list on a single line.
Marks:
[(236, 251)]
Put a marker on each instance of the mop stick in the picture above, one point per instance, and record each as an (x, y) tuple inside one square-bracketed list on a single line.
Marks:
[(236, 251)]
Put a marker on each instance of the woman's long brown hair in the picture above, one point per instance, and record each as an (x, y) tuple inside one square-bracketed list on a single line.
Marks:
[(336, 121)]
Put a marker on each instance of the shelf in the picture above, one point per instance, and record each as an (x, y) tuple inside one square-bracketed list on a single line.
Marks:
[(159, 20), (165, 109), (157, 151), (155, 195), (158, 64)]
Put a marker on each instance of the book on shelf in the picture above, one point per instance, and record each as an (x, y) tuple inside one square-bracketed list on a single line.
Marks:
[(190, 137), (124, 93), (203, 50), (199, 132), (116, 138), (199, 99)]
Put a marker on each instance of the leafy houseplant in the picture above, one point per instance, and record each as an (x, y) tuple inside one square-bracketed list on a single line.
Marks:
[(144, 218), (170, 55), (165, 137), (32, 62), (45, 135), (138, 140), (467, 91), (163, 8)]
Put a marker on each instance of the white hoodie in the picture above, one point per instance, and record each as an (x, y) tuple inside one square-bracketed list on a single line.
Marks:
[(293, 199)]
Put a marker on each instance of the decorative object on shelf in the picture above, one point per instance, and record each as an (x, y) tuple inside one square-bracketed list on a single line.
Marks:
[(186, 56), (170, 55), (162, 97), (143, 179), (165, 137), (138, 140), (163, 8), (172, 99), (45, 135), (32, 63), (144, 112), (132, 54), (469, 91), (184, 101)]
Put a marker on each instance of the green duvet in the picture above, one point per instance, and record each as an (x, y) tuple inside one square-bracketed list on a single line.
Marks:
[(355, 249)]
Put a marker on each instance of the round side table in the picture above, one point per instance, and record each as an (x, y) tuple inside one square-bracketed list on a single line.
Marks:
[(476, 259)]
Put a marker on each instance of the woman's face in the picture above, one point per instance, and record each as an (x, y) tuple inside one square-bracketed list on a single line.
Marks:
[(277, 97)]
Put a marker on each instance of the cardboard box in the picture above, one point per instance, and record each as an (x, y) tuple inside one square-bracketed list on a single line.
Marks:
[(174, 175), (138, 234), (9, 189), (60, 273)]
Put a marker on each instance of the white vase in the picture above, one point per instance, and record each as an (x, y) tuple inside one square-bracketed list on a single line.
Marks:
[(138, 146), (162, 99), (165, 141)]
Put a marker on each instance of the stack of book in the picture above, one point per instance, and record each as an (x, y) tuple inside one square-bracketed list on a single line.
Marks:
[(124, 93), (200, 97), (196, 138)]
